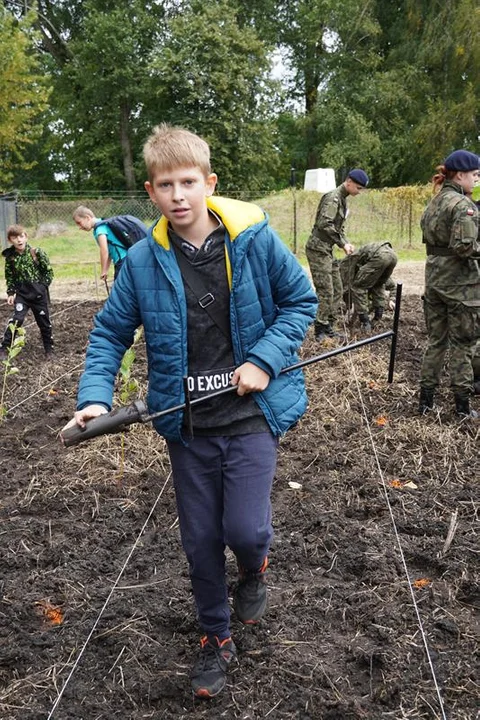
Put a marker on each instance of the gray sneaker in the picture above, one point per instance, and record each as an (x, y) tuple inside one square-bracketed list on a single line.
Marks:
[(209, 674)]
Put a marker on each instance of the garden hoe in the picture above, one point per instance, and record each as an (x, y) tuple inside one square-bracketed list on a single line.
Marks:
[(119, 419)]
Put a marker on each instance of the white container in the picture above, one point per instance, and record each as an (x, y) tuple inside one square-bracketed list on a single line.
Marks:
[(321, 179)]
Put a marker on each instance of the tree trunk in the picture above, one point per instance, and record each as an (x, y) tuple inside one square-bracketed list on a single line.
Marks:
[(127, 155)]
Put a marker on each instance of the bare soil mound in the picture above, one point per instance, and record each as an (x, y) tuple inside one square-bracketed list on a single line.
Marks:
[(374, 580)]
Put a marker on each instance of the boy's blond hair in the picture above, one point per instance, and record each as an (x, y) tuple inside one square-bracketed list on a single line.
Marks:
[(82, 212), (15, 231), (170, 147)]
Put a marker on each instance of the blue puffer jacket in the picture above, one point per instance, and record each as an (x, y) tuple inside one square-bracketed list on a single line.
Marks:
[(272, 305)]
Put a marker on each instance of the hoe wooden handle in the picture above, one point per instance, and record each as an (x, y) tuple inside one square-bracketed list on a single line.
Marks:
[(112, 422)]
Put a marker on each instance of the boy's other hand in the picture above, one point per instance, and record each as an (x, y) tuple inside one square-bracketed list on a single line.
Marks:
[(250, 378), (10, 299), (81, 416)]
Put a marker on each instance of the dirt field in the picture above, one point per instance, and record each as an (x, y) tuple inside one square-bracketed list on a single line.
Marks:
[(409, 273), (374, 580)]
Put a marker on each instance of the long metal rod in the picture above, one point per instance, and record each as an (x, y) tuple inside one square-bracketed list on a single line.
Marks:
[(120, 418), (301, 364), (396, 321)]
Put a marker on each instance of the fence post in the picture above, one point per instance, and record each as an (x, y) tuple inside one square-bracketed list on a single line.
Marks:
[(293, 186)]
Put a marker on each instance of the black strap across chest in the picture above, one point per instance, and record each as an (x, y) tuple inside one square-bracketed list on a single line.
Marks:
[(205, 298)]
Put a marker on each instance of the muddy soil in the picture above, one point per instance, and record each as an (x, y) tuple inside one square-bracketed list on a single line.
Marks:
[(374, 579)]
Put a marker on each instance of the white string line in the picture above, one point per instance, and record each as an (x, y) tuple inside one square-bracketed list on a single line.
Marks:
[(71, 307), (161, 492), (46, 386), (397, 538), (89, 636)]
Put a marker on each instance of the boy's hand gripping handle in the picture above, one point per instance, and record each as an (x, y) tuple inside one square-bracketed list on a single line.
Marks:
[(112, 422)]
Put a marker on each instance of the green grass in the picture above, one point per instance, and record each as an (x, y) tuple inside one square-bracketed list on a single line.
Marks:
[(373, 216), (74, 256), (376, 215)]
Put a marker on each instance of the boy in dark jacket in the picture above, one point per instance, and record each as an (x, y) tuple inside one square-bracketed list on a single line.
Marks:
[(28, 274), (235, 316)]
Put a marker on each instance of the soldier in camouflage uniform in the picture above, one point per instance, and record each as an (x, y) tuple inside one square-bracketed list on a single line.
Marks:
[(452, 281), (364, 275), (327, 232), (28, 274)]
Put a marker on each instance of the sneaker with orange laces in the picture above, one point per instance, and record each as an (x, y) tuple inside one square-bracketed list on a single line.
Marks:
[(250, 595), (209, 674)]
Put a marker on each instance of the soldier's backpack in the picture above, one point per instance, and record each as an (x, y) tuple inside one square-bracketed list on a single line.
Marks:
[(127, 229)]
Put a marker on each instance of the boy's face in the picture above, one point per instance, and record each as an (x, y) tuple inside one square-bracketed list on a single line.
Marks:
[(180, 195), (19, 242), (85, 223)]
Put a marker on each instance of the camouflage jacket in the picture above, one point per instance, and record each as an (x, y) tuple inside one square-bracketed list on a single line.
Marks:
[(330, 219), (363, 255), (26, 267), (450, 232)]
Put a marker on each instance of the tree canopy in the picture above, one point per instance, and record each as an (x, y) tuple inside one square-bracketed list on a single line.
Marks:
[(24, 93), (390, 85)]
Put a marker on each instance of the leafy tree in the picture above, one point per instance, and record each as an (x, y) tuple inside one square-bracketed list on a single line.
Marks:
[(392, 85), (431, 52), (104, 87), (213, 77), (23, 94), (97, 53)]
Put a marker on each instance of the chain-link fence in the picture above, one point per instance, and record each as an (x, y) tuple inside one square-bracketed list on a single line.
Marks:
[(35, 211), (55, 208), (391, 214)]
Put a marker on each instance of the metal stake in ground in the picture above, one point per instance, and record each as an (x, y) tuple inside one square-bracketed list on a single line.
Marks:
[(118, 420)]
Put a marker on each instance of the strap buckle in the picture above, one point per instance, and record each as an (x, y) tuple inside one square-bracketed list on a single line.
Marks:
[(206, 300)]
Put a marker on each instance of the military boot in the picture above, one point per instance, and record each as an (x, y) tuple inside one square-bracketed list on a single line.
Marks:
[(426, 400), (365, 323), (462, 407), (377, 316), (323, 331)]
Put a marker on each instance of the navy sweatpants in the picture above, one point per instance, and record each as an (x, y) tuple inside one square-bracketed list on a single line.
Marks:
[(222, 487)]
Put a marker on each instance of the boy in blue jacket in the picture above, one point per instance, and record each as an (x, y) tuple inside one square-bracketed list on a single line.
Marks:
[(237, 315)]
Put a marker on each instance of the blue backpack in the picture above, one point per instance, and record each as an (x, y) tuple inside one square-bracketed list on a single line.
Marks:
[(126, 228)]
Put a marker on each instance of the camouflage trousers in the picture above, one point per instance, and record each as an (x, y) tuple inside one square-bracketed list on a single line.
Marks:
[(453, 326), (325, 272)]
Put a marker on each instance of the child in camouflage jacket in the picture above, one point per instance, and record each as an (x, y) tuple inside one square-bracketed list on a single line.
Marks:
[(28, 274)]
